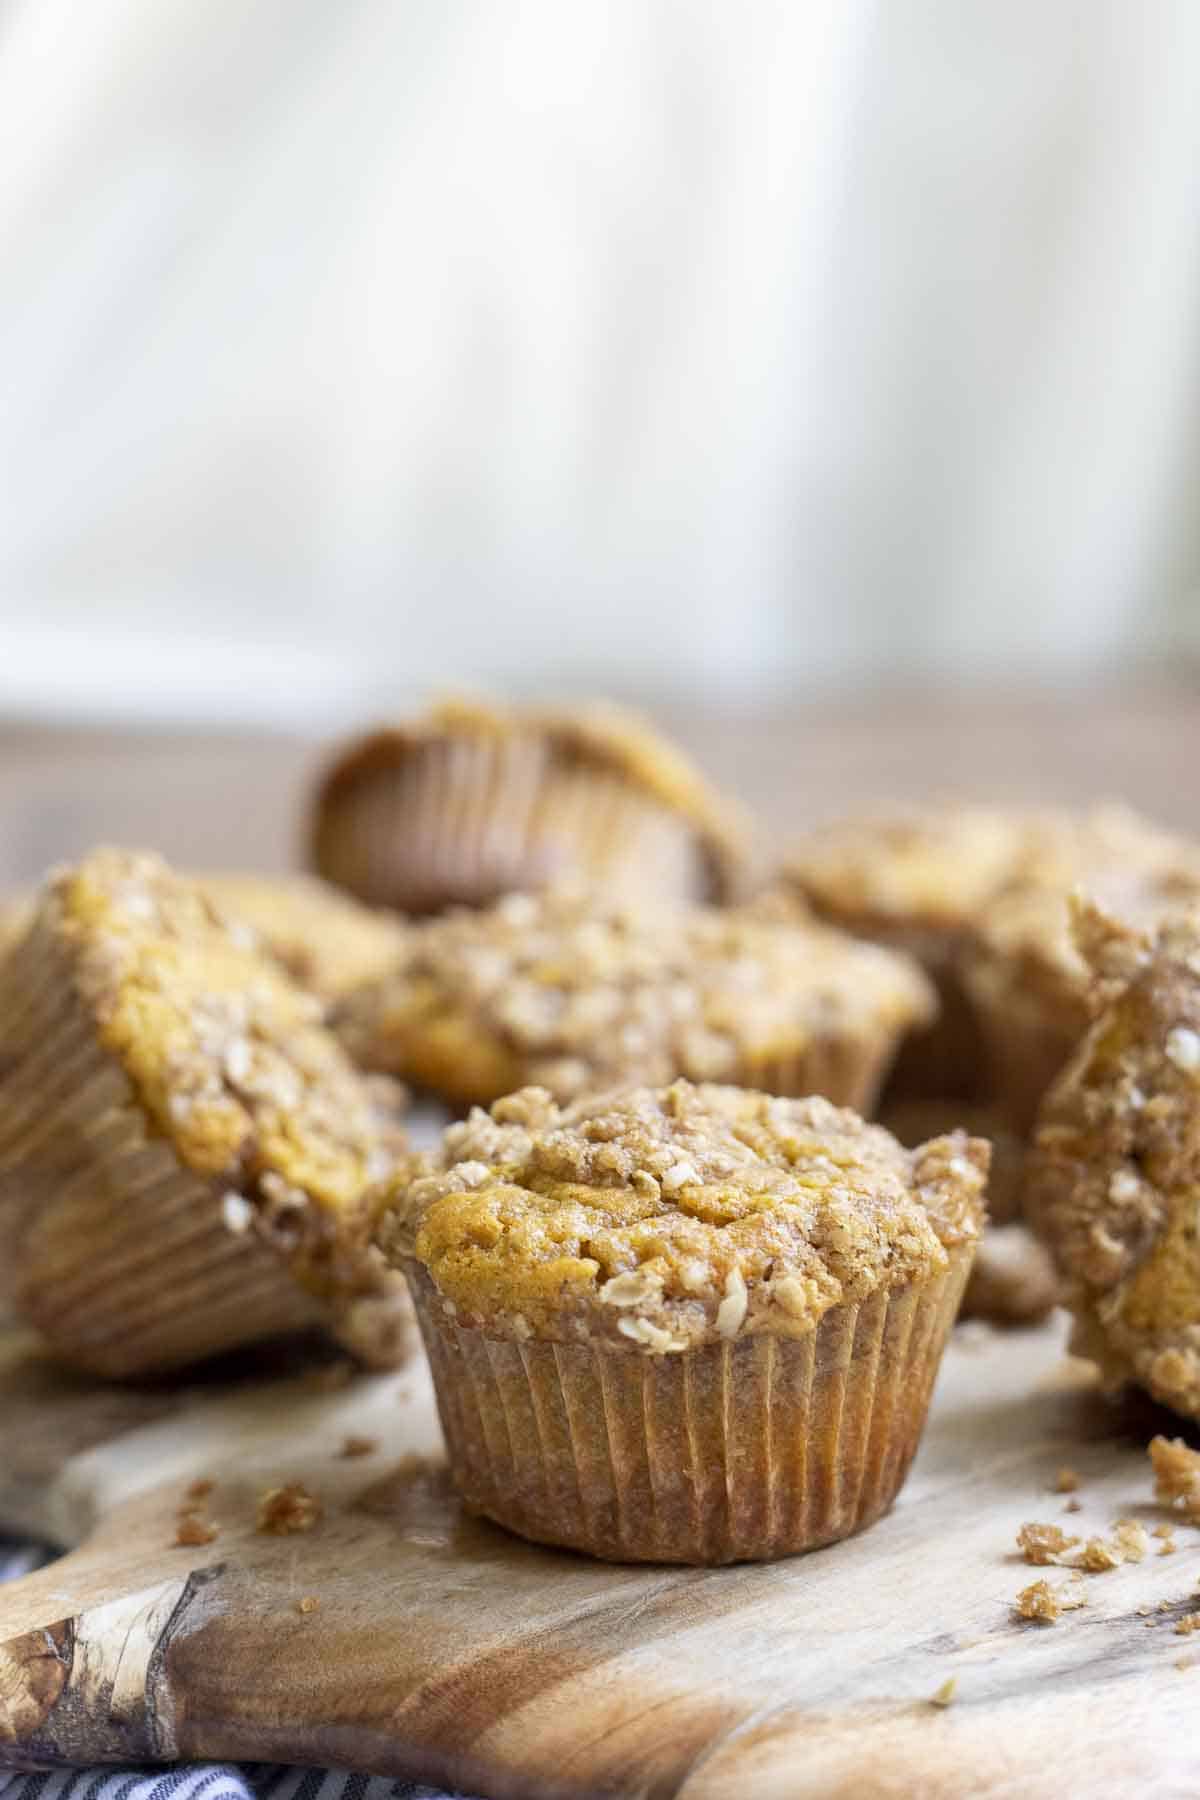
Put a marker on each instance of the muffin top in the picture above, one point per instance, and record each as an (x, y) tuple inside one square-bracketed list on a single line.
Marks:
[(322, 938), (658, 1219), (600, 736), (1130, 866), (1112, 1179), (550, 991), (936, 866), (227, 1055)]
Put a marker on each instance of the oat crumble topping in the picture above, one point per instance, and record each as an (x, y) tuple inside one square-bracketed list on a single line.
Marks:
[(556, 993), (568, 1222)]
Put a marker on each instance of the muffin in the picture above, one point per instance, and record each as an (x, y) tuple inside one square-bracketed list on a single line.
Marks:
[(916, 1121), (919, 881), (324, 940), (549, 991), (1025, 976), (689, 1324), (1111, 1184), (185, 1151), (475, 801)]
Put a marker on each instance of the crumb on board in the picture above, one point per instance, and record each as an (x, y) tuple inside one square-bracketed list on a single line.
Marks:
[(191, 1529), (199, 1489), (1042, 1544), (1073, 1505), (1045, 1605), (1066, 1481), (1176, 1475), (309, 1604), (1186, 1662), (283, 1510), (330, 1377), (353, 1444), (1131, 1538), (1099, 1555), (945, 1694), (1188, 1625)]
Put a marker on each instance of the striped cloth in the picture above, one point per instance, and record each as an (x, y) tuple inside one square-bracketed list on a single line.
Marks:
[(193, 1781)]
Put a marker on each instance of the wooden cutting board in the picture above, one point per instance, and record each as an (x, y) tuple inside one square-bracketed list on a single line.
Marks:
[(443, 1649)]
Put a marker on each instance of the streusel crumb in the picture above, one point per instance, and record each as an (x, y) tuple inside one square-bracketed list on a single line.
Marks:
[(193, 1529), (1045, 1605), (1042, 1544), (284, 1510)]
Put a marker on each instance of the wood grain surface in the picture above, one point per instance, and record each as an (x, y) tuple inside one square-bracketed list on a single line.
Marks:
[(443, 1649)]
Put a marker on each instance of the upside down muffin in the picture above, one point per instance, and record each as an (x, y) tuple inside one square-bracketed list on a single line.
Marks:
[(1114, 1178), (185, 1151), (549, 991), (688, 1324), (473, 801)]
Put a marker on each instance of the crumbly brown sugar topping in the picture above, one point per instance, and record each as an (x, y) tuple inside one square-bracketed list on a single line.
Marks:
[(567, 997), (665, 1218), (227, 1055)]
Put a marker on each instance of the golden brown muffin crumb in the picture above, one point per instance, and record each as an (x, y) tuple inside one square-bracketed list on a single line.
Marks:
[(200, 1488), (192, 1529), (309, 1604), (1098, 1556), (1188, 1625), (284, 1510), (945, 1694), (1066, 1481), (554, 992), (1042, 1544), (661, 1219), (1176, 1475), (355, 1445), (1044, 1605), (1131, 1539)]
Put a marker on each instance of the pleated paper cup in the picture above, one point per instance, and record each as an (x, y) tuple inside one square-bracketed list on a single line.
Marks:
[(421, 824), (127, 1261), (744, 1450)]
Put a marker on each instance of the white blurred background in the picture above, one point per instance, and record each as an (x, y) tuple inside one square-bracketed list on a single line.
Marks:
[(757, 350)]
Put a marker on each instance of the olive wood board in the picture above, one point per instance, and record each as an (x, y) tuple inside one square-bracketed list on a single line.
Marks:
[(445, 1650)]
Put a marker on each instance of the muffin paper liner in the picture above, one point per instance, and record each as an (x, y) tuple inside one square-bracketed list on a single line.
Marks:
[(115, 1251), (759, 1447), (466, 819)]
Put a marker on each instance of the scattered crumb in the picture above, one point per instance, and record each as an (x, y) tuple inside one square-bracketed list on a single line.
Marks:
[(1131, 1539), (309, 1604), (283, 1510), (945, 1694), (1046, 1605), (191, 1529), (1066, 1481), (199, 1490), (330, 1377), (1176, 1475), (1099, 1555), (1073, 1506), (1187, 1625), (1164, 1606), (1163, 1531), (1186, 1662), (1041, 1544), (353, 1445), (1143, 1612)]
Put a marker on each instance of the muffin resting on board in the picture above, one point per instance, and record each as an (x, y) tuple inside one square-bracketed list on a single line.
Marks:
[(185, 1151), (691, 1324)]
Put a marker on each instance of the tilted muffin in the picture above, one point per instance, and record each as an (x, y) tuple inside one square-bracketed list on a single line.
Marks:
[(918, 880), (185, 1151), (474, 801), (689, 1324), (1113, 1173), (1025, 976), (550, 991), (326, 941)]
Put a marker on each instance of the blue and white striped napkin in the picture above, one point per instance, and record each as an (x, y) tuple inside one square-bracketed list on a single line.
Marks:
[(193, 1781)]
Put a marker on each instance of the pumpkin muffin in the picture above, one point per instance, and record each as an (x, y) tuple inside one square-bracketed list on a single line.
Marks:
[(688, 1324), (1024, 974), (549, 991), (474, 801), (324, 940), (184, 1149), (918, 880), (1112, 1181)]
